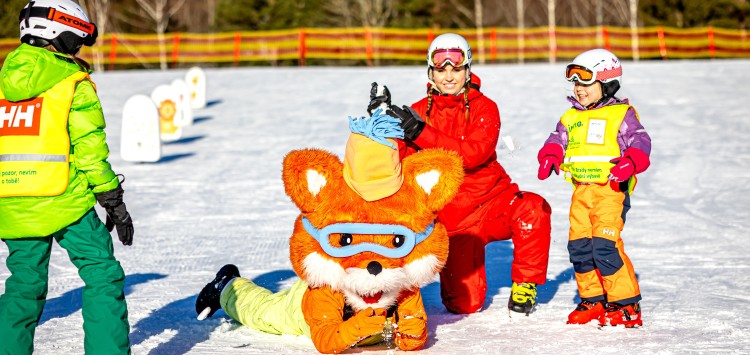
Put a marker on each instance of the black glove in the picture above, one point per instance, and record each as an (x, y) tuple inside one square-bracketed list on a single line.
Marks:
[(117, 214), (411, 123), (377, 99)]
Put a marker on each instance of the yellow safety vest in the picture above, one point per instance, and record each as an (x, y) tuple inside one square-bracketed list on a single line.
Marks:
[(35, 152), (592, 142)]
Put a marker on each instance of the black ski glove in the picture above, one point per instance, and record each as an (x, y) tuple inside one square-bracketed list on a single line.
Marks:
[(379, 95), (411, 123), (117, 214)]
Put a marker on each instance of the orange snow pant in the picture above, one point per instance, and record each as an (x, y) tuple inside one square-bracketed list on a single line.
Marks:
[(603, 271), (523, 217)]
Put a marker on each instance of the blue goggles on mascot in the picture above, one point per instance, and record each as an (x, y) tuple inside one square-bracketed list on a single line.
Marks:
[(411, 238)]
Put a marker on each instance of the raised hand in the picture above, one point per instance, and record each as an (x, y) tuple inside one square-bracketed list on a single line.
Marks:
[(380, 97)]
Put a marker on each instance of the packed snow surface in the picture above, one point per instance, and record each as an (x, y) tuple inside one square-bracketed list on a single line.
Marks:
[(216, 197)]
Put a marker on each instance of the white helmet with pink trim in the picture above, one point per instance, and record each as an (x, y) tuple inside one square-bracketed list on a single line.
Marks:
[(597, 65)]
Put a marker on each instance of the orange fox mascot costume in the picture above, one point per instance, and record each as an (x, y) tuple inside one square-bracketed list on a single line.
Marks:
[(364, 243)]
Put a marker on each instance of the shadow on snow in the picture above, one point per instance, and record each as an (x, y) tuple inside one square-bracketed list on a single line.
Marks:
[(179, 317), (71, 301)]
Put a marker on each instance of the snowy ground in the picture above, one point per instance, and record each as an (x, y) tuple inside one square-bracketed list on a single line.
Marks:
[(216, 197)]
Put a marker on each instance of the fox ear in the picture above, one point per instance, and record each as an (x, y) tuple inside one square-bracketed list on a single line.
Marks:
[(437, 172), (306, 172)]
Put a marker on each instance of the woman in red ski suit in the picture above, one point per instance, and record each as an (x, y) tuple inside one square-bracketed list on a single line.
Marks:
[(489, 206)]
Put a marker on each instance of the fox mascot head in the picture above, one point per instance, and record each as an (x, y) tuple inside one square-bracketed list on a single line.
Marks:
[(364, 259)]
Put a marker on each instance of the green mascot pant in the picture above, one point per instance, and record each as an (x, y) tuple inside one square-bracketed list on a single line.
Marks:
[(89, 247)]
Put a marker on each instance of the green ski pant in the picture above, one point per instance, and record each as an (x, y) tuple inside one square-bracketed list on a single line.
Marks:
[(260, 309), (89, 247)]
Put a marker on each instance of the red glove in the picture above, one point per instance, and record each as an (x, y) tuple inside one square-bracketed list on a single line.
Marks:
[(550, 157), (632, 161)]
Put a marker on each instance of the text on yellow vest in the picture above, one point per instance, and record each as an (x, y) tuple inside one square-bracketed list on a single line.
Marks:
[(592, 142), (35, 143)]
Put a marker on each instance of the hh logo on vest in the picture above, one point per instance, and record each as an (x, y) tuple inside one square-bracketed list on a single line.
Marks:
[(20, 118)]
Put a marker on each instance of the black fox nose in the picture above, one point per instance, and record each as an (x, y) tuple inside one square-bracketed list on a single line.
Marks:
[(374, 267)]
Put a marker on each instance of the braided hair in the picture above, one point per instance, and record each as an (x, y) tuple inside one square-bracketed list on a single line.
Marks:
[(432, 90)]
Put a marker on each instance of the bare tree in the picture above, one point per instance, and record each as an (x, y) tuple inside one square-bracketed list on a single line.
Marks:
[(98, 11), (551, 23), (159, 12), (365, 13), (520, 14), (375, 13), (478, 16), (634, 28)]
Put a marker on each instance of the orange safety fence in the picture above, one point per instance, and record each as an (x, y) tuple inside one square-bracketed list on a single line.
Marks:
[(377, 45)]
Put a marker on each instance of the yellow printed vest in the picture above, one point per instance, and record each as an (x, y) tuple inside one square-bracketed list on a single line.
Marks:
[(592, 142), (35, 143)]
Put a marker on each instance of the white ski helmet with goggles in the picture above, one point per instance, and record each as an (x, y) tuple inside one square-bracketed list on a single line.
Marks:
[(60, 23), (596, 65), (449, 48)]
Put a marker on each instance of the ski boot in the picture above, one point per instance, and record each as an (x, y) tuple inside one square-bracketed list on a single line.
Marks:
[(586, 312), (522, 297), (207, 302), (628, 315)]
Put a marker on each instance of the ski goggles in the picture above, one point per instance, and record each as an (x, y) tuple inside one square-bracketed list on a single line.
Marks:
[(582, 74), (444, 56), (586, 76), (406, 245)]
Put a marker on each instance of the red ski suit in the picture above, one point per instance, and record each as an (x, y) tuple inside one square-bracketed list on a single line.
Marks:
[(488, 206)]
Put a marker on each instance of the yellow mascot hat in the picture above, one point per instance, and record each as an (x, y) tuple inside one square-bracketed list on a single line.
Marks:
[(372, 166)]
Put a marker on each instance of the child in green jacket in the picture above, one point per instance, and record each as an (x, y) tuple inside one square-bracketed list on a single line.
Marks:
[(54, 169)]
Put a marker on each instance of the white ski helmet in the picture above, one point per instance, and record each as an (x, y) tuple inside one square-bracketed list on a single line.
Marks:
[(449, 48), (61, 23), (596, 65), (445, 43)]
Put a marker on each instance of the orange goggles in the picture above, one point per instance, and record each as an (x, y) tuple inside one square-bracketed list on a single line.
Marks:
[(445, 56), (582, 74)]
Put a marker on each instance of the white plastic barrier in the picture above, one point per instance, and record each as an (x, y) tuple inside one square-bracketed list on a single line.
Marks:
[(196, 81), (140, 140)]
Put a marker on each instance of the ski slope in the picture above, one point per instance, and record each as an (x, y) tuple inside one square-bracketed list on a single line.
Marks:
[(216, 197)]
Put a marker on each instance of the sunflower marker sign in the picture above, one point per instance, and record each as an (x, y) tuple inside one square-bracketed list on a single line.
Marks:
[(167, 101), (140, 140), (196, 81)]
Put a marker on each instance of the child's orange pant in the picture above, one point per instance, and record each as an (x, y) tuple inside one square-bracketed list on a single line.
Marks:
[(602, 270)]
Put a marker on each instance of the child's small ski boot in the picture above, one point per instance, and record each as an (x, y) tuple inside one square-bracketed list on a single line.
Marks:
[(207, 302), (522, 297), (628, 315), (586, 312)]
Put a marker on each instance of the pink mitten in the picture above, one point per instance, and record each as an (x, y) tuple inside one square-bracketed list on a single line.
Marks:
[(632, 161), (550, 157)]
